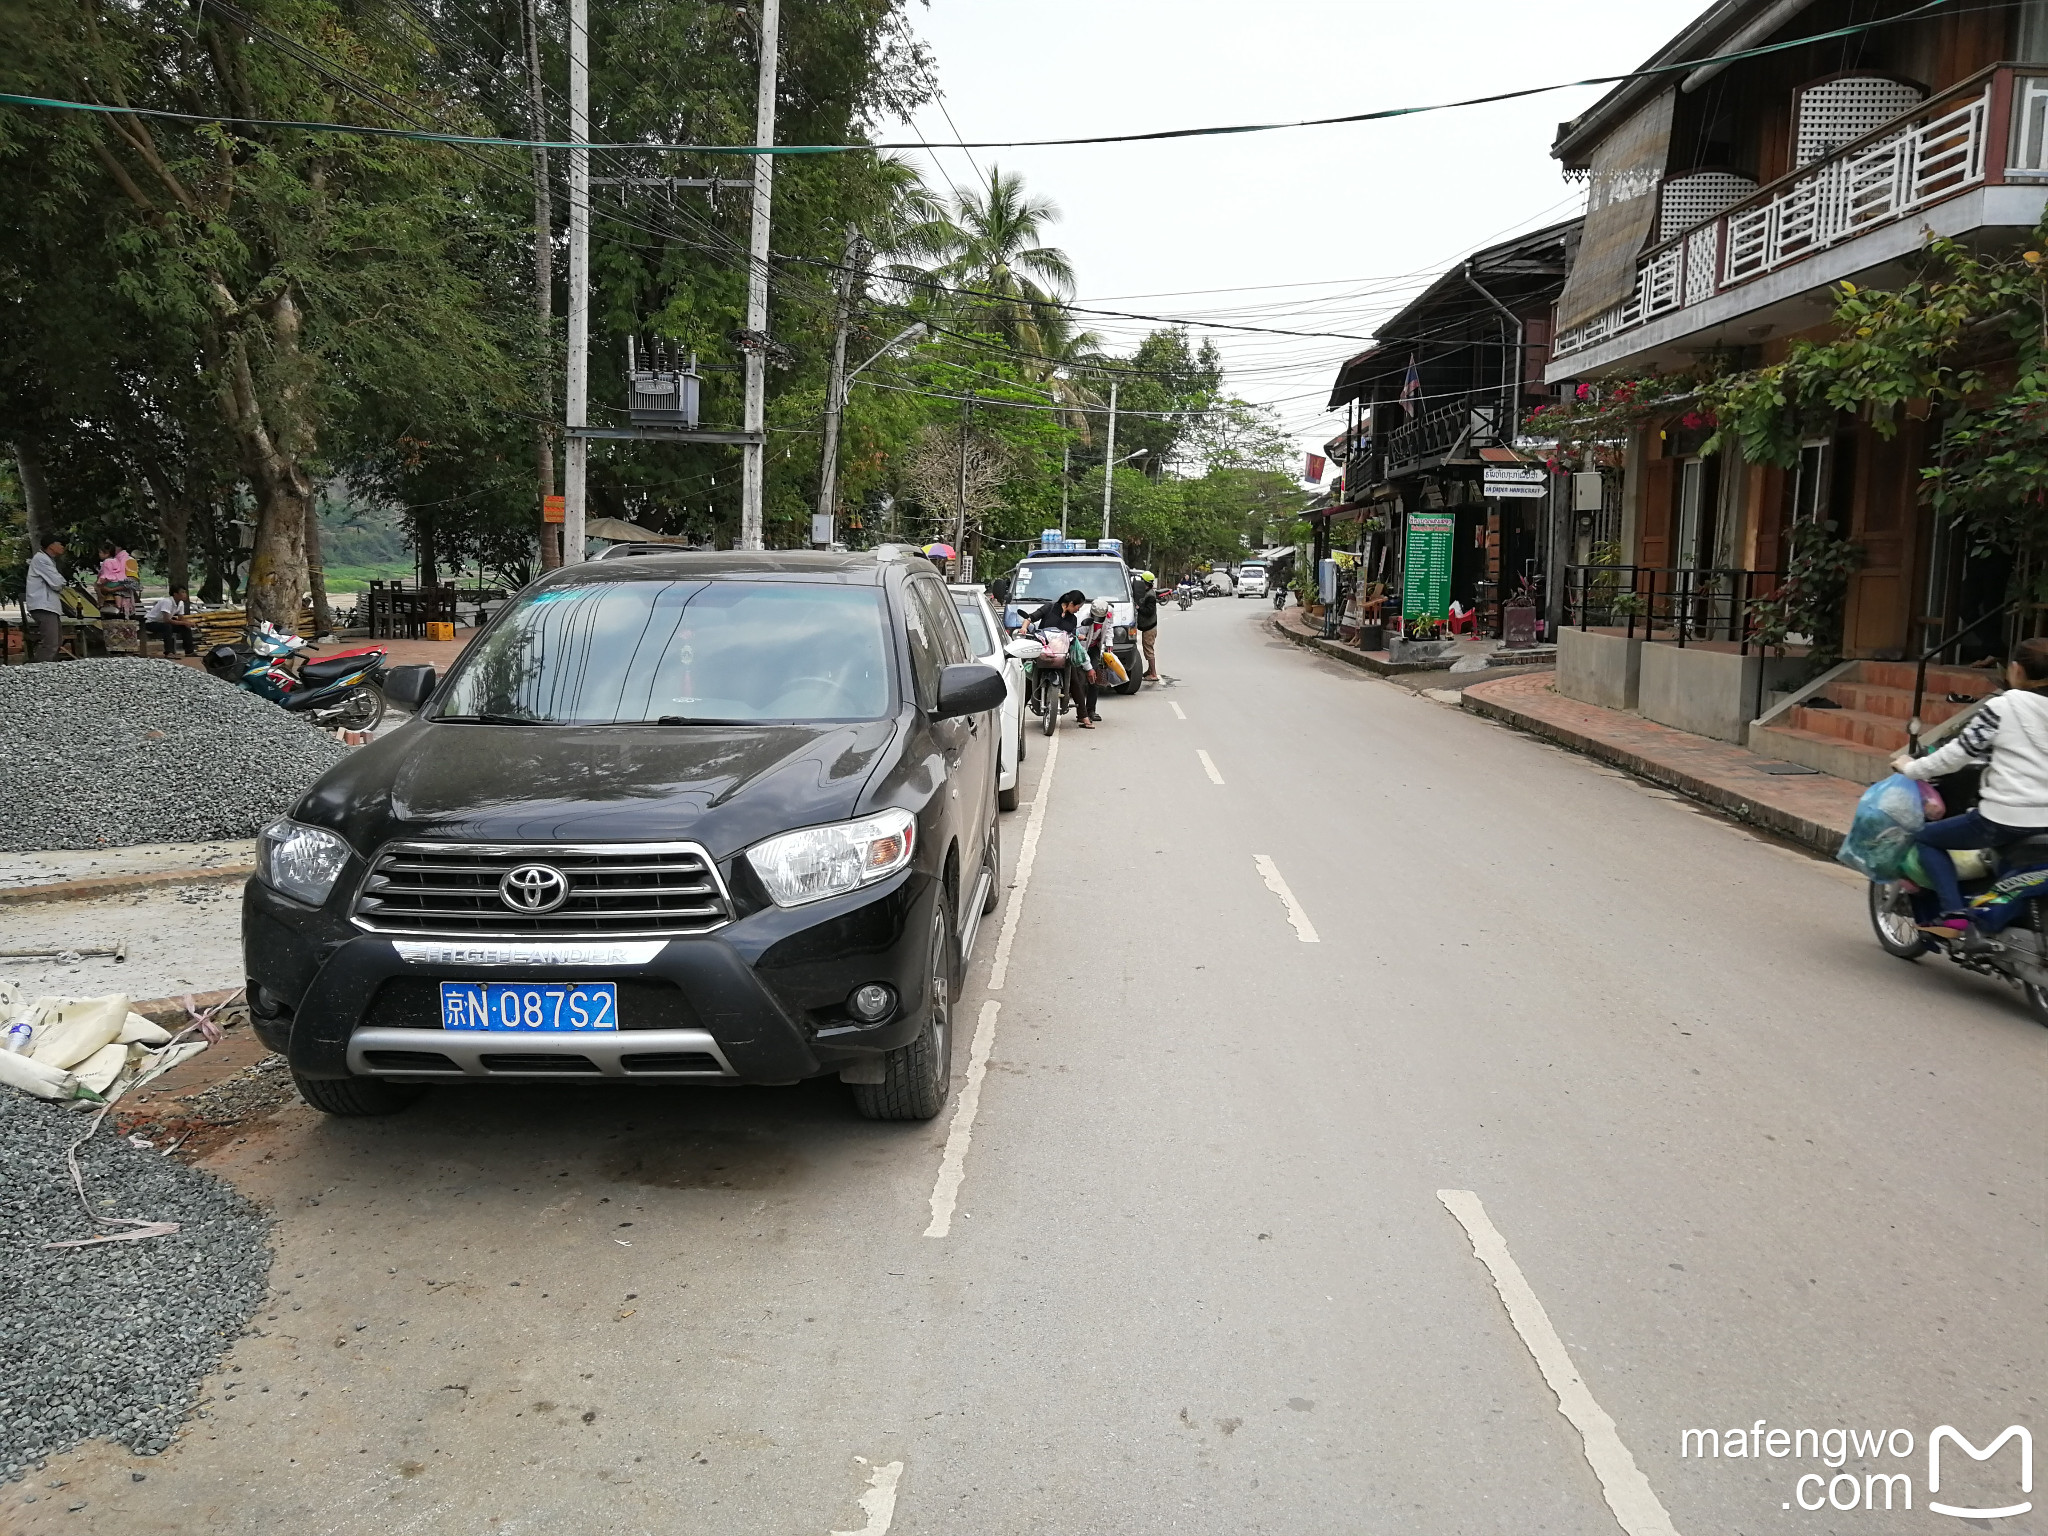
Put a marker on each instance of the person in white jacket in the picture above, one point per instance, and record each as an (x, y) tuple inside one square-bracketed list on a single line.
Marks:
[(2008, 738)]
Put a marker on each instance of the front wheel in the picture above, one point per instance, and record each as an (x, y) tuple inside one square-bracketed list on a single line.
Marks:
[(916, 1078), (1049, 703), (354, 1096), (1891, 915)]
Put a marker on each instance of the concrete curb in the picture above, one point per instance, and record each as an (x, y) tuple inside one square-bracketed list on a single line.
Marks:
[(1350, 655), (119, 885), (1812, 834), (171, 1011)]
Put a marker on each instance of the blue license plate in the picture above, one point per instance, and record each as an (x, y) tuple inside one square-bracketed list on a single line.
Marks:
[(533, 1008)]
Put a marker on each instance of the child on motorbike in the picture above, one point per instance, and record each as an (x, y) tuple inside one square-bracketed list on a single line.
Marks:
[(2008, 738)]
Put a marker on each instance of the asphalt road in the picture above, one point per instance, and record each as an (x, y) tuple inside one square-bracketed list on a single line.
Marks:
[(1728, 1161)]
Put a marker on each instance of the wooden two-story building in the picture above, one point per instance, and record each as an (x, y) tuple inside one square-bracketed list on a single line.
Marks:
[(1725, 203)]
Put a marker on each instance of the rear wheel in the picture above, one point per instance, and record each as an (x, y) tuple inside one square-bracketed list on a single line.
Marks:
[(2037, 1001), (916, 1078), (1891, 915), (360, 709), (356, 1095)]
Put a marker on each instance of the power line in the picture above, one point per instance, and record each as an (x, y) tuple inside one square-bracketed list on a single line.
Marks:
[(1153, 136)]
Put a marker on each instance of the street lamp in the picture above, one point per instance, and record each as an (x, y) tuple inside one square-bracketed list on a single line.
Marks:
[(1108, 478), (835, 407)]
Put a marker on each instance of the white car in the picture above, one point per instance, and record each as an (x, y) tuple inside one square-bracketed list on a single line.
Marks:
[(1251, 580), (985, 637)]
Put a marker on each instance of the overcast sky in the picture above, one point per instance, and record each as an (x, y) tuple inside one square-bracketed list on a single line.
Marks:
[(1366, 213)]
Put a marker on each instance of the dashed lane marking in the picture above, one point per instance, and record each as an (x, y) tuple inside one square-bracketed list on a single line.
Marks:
[(1635, 1504), (879, 1502), (1304, 930), (1027, 855), (960, 1135), (1176, 710), (1209, 766)]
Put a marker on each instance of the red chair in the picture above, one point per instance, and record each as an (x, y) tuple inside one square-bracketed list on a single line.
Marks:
[(1463, 621)]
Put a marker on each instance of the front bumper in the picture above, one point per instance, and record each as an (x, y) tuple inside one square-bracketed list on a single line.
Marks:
[(760, 1000)]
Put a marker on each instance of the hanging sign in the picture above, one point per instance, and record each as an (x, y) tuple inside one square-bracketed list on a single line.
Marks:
[(1426, 566), (551, 509), (1536, 475), (1516, 488)]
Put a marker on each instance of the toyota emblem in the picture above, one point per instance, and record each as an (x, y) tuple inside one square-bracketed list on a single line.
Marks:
[(534, 888)]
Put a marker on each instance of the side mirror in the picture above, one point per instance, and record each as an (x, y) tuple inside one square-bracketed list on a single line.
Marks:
[(409, 687), (968, 689)]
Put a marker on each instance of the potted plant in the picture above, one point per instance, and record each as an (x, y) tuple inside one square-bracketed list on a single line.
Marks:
[(1518, 617), (1422, 639)]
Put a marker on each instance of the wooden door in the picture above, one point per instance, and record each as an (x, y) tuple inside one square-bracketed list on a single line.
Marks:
[(1884, 521)]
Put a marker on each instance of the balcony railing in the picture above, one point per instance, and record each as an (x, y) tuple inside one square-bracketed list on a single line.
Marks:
[(1991, 128), (1679, 603), (1438, 433)]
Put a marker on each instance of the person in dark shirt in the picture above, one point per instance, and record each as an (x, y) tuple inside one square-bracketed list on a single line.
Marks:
[(1146, 622), (1061, 613)]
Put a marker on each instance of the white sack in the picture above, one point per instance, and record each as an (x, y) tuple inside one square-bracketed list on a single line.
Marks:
[(69, 1029), (99, 1070), (18, 1071), (141, 1031)]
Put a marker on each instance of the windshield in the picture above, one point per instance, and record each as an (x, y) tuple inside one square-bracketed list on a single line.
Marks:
[(1046, 580), (974, 615), (633, 652)]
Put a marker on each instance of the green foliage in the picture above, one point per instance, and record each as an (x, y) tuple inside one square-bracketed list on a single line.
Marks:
[(1812, 599), (1965, 345)]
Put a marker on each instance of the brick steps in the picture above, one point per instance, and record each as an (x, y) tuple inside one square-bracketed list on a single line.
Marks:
[(1858, 740)]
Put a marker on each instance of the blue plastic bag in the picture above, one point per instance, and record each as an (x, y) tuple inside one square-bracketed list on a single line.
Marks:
[(1888, 817)]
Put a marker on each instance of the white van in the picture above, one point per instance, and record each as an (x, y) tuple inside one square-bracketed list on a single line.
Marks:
[(1251, 579)]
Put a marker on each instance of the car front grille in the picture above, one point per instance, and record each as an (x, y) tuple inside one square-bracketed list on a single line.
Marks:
[(613, 890)]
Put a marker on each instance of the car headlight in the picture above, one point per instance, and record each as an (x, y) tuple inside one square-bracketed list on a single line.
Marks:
[(817, 862), (303, 862)]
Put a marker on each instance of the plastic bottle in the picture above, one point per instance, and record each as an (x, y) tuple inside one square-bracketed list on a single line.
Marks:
[(17, 1037)]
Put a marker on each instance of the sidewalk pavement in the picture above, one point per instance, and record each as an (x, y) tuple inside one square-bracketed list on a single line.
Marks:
[(1293, 625), (1811, 808)]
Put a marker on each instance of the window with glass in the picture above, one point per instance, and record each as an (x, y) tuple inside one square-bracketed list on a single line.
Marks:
[(1042, 581), (974, 618), (679, 653)]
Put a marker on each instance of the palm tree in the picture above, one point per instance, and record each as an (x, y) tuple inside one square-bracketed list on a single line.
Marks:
[(1012, 279)]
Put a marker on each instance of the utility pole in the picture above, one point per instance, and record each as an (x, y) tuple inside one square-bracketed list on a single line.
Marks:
[(1108, 456), (753, 458), (576, 457), (960, 507), (1066, 467), (835, 385), (543, 285)]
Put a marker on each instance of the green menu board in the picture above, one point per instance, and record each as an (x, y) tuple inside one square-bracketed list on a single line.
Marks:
[(1426, 569)]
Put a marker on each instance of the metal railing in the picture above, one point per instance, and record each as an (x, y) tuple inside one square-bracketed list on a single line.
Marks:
[(1943, 147), (1439, 431), (1677, 603), (1913, 727)]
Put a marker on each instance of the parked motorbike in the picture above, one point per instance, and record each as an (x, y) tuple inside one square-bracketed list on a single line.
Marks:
[(332, 691), (2007, 889), (1045, 677), (1279, 598)]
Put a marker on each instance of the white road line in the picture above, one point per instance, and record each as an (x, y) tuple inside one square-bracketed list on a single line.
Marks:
[(879, 1502), (1027, 855), (1209, 767), (1176, 710), (1269, 872), (1635, 1505), (960, 1135)]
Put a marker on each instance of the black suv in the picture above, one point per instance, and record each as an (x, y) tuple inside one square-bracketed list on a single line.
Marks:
[(683, 818)]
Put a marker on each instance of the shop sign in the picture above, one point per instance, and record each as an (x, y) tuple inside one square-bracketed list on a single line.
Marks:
[(1426, 566)]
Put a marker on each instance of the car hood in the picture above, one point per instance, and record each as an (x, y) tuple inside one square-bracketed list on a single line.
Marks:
[(721, 786)]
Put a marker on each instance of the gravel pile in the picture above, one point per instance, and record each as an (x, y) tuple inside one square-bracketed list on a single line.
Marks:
[(111, 1341), (112, 751)]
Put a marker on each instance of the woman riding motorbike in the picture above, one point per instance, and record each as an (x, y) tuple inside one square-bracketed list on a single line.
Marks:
[(2008, 738)]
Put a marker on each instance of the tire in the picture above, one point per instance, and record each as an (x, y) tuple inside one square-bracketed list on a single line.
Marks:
[(992, 863), (1049, 704), (1006, 799), (2037, 1001), (1891, 917), (352, 1096), (917, 1078), (361, 709)]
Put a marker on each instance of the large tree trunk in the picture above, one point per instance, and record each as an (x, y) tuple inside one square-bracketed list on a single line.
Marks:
[(316, 574), (35, 495), (274, 459)]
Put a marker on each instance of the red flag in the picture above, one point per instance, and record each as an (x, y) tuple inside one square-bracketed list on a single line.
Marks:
[(1315, 469)]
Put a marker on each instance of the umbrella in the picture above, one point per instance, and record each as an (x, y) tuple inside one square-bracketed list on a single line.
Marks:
[(940, 551)]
